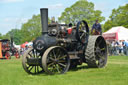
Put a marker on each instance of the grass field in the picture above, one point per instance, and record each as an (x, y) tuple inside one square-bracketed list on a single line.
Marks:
[(115, 73)]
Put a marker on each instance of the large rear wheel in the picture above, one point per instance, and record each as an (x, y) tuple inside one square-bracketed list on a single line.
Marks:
[(55, 60), (96, 52)]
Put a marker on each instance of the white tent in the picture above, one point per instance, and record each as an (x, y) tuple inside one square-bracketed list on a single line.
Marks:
[(29, 44), (116, 33)]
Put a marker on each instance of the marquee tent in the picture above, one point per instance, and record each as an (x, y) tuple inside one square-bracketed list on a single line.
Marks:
[(116, 33)]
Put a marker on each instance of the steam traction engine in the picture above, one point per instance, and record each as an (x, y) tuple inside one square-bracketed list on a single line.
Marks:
[(62, 47), (7, 49)]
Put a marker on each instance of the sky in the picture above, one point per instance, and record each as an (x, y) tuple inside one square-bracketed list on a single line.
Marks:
[(13, 13)]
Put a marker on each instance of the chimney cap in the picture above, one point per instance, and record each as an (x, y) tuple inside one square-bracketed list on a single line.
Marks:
[(43, 8)]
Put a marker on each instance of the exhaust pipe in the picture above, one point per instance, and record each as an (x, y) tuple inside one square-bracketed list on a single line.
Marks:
[(44, 20)]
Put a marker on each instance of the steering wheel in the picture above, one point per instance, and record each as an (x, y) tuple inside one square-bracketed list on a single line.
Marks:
[(82, 32)]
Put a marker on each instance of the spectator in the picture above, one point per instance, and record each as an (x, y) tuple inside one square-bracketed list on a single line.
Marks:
[(120, 47), (113, 50), (116, 48), (125, 47)]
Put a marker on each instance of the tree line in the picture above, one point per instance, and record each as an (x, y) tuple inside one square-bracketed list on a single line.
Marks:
[(81, 10)]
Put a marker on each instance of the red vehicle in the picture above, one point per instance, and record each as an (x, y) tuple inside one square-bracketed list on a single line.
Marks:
[(7, 50)]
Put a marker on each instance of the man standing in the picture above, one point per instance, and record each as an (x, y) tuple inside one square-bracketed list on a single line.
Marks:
[(125, 47), (96, 29)]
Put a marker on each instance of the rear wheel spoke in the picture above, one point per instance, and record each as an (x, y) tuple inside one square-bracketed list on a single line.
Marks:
[(64, 56), (62, 61), (54, 54), (52, 59), (57, 68), (56, 64), (62, 64)]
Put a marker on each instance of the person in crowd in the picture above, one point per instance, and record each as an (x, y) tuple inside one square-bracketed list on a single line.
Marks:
[(125, 47), (120, 47), (113, 50), (116, 48), (96, 29)]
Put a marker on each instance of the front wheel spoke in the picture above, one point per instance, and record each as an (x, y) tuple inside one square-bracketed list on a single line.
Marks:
[(35, 69), (33, 52), (28, 67), (38, 55), (31, 68), (30, 55)]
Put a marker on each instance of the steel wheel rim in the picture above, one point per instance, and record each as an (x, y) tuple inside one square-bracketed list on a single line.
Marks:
[(82, 32), (31, 69), (100, 54), (57, 61)]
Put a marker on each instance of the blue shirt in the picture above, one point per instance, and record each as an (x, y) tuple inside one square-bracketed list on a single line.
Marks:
[(125, 43), (97, 27)]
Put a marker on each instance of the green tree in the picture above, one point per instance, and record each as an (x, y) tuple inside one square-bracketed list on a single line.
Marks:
[(29, 31), (107, 25), (32, 28), (119, 17), (0, 36), (16, 34), (81, 10)]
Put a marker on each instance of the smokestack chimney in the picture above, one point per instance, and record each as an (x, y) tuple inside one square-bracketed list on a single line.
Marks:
[(44, 20)]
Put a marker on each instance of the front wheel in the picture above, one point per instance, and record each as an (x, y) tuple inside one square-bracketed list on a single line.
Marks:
[(31, 62)]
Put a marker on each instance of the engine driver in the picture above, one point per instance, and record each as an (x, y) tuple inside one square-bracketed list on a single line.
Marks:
[(96, 29)]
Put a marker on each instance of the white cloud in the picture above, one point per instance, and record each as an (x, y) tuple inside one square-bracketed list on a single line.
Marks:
[(9, 1), (11, 23), (20, 20), (5, 27), (123, 4), (55, 6)]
